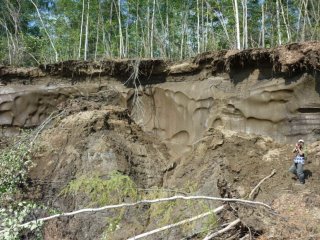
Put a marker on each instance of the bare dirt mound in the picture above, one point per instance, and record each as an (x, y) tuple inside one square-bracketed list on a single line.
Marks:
[(91, 139)]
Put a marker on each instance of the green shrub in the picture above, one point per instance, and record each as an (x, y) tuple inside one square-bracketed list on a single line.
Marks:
[(14, 166), (15, 163), (104, 191)]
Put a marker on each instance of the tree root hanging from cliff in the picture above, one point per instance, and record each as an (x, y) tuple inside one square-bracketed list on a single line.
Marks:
[(52, 116), (30, 138), (133, 80)]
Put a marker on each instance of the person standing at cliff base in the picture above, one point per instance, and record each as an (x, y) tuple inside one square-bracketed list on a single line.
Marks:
[(298, 161)]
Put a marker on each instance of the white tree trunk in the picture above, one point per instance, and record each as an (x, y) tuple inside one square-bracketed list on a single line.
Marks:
[(183, 26), (198, 27), (109, 32), (245, 24), (278, 22), (285, 22), (206, 29), (152, 28), (237, 24), (162, 47), (222, 22), (87, 32), (97, 37), (167, 31), (126, 48), (137, 27), (202, 28), (120, 30), (262, 26), (303, 34), (147, 45), (45, 29), (81, 27), (299, 19)]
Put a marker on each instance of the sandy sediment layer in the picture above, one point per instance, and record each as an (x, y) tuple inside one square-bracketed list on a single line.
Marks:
[(272, 92)]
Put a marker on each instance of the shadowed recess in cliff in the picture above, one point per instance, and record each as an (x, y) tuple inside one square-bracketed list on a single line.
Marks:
[(315, 109)]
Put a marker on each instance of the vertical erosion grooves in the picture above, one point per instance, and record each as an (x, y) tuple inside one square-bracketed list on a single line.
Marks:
[(28, 106), (181, 112)]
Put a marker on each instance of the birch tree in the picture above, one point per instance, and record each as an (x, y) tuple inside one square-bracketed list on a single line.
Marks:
[(45, 29), (262, 26), (87, 32), (236, 15), (198, 27), (278, 23), (81, 28), (245, 23), (152, 28)]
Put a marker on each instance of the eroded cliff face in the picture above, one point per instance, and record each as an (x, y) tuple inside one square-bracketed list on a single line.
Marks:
[(272, 93), (268, 92), (283, 109)]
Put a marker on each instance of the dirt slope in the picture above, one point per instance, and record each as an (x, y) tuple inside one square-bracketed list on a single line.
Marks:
[(231, 165), (93, 139)]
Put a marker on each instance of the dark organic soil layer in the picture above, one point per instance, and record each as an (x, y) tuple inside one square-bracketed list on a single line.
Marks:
[(289, 59)]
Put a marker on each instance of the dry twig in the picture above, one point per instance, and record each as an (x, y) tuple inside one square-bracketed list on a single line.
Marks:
[(217, 210), (223, 230), (258, 185), (44, 124)]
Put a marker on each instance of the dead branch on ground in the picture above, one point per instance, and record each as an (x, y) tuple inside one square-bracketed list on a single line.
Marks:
[(217, 210), (258, 185), (237, 221), (90, 210), (227, 228)]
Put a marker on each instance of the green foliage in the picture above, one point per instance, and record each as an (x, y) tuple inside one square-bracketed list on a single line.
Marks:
[(14, 166), (103, 191), (119, 188), (129, 24), (165, 213), (211, 220), (15, 163), (113, 190), (113, 225), (12, 217)]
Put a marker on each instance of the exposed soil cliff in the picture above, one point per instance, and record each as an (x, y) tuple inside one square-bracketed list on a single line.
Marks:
[(253, 91), (219, 122)]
